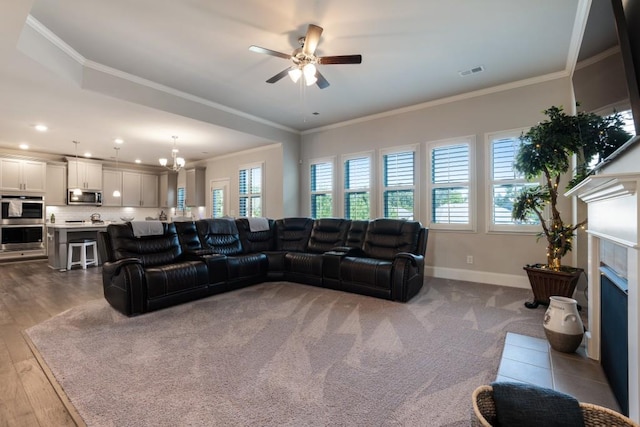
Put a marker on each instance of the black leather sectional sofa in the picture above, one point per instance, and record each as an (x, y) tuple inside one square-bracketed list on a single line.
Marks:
[(383, 258)]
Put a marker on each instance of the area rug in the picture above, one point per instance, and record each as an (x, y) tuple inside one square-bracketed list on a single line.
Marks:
[(285, 354)]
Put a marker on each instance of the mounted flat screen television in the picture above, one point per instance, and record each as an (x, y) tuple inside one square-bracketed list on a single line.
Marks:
[(627, 20), (627, 23)]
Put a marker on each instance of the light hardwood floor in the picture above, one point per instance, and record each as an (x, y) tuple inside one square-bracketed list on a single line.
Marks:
[(31, 292)]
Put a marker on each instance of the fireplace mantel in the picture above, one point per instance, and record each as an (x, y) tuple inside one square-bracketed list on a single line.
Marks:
[(613, 213)]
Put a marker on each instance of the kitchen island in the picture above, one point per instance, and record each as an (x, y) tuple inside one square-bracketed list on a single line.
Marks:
[(58, 235)]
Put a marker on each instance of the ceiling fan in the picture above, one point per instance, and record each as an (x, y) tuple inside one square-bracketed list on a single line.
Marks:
[(305, 61)]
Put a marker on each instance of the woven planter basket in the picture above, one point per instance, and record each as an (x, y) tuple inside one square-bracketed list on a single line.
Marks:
[(546, 283), (484, 412)]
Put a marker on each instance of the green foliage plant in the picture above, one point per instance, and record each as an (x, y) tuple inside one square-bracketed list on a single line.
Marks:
[(545, 154)]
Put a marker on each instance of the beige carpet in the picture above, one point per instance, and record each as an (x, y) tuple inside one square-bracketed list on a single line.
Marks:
[(284, 354)]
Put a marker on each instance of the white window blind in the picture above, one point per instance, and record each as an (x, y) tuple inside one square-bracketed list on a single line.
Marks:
[(250, 191), (450, 174), (357, 176), (321, 190), (506, 183), (217, 200), (398, 184), (180, 204)]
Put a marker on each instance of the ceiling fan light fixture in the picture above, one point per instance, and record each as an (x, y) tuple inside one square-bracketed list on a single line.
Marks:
[(295, 74), (310, 80)]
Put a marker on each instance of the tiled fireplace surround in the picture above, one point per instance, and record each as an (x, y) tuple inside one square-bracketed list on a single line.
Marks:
[(613, 211)]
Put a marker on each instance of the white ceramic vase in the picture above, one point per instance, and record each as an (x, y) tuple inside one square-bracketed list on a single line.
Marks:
[(563, 325)]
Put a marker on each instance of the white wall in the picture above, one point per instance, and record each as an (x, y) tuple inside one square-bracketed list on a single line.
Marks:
[(272, 158), (498, 258)]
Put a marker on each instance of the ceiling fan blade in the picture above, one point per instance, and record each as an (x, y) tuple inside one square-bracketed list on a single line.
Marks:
[(322, 82), (342, 59), (279, 76), (259, 49), (311, 39)]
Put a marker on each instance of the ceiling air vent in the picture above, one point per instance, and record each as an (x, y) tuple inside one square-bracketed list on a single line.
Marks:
[(474, 70)]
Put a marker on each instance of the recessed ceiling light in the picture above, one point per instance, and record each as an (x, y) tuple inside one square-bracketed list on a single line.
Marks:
[(41, 128), (118, 140), (24, 146), (87, 154), (138, 161)]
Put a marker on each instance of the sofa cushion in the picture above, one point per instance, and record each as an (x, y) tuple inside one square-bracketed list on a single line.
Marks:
[(220, 235), (188, 235), (241, 267), (292, 234), (150, 250), (327, 233), (366, 271), (255, 241), (356, 233), (303, 263), (173, 278), (385, 238)]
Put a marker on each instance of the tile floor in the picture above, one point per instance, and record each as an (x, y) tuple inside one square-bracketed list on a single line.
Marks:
[(531, 360)]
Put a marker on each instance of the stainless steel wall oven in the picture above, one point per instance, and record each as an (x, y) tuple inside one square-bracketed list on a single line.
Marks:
[(21, 222)]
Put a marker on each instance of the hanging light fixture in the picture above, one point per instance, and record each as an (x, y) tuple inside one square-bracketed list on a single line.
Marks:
[(178, 162), (306, 69), (77, 191), (116, 192)]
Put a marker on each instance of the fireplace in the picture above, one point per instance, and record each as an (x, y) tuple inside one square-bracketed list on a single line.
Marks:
[(614, 342), (613, 271)]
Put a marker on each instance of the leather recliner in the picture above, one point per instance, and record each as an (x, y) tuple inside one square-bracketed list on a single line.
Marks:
[(306, 267), (149, 272), (390, 263)]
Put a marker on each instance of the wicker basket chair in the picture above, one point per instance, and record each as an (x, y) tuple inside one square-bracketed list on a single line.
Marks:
[(484, 412)]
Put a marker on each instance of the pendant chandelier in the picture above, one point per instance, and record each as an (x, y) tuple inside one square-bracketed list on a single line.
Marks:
[(178, 162), (116, 192), (77, 191)]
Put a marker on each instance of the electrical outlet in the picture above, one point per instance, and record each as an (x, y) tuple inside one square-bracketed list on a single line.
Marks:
[(469, 259)]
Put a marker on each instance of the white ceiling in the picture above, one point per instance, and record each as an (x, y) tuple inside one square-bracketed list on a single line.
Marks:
[(145, 70)]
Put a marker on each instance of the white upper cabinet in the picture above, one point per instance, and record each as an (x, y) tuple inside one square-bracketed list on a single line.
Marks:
[(84, 175), (139, 189), (22, 175), (111, 181)]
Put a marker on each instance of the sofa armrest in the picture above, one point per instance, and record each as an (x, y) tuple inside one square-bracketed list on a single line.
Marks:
[(123, 285), (113, 268), (407, 276), (412, 258)]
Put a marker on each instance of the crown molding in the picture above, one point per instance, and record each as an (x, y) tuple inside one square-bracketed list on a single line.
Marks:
[(93, 65), (447, 100)]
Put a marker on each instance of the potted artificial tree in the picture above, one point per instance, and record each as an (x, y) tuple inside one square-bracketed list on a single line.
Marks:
[(545, 154)]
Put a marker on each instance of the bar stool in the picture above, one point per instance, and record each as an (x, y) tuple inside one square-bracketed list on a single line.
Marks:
[(83, 245)]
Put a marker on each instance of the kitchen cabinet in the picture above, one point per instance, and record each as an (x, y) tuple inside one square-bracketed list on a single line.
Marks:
[(56, 194), (111, 181), (194, 193), (22, 175), (139, 189), (84, 175), (168, 189)]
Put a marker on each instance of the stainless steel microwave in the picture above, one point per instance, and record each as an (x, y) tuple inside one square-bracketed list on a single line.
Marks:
[(86, 197)]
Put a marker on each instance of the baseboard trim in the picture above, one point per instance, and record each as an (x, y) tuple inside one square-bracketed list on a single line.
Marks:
[(510, 280)]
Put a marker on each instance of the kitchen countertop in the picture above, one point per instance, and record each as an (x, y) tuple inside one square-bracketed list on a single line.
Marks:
[(78, 225)]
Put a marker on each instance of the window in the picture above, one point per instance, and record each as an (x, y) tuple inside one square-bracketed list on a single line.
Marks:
[(506, 183), (180, 204), (450, 187), (219, 203), (357, 178), (250, 191), (321, 189), (398, 187)]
